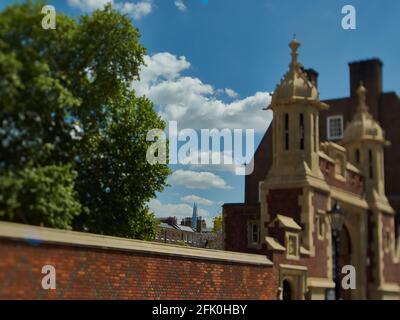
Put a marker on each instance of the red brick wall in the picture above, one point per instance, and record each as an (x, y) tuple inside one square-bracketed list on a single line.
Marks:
[(262, 163), (285, 202), (317, 265), (390, 119), (391, 271), (236, 217), (88, 273)]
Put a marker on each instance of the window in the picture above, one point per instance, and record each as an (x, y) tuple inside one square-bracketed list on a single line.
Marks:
[(387, 240), (321, 227), (292, 246), (292, 249), (357, 156), (286, 133), (254, 233), (301, 120), (320, 222), (335, 127)]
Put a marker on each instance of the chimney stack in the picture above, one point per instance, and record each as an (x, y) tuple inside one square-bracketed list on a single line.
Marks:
[(312, 76), (370, 73)]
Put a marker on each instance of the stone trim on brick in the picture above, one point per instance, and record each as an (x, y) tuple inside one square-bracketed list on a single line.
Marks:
[(72, 238)]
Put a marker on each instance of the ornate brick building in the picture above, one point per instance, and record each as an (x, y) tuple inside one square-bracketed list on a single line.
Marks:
[(297, 180)]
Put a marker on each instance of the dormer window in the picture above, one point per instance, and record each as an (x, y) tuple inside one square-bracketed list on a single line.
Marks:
[(335, 127)]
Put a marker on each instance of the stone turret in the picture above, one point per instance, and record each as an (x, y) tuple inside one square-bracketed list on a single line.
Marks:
[(296, 105), (365, 140)]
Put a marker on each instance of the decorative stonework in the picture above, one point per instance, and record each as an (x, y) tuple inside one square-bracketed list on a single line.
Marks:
[(305, 180)]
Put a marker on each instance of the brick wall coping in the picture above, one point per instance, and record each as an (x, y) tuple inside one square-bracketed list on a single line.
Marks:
[(34, 234)]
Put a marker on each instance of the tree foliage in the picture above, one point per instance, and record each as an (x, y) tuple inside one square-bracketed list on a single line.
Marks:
[(66, 102), (42, 196), (217, 224)]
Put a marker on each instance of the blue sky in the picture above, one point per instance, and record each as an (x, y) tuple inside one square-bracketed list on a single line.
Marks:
[(212, 64)]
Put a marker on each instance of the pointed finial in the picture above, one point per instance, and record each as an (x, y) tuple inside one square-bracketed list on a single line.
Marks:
[(294, 45), (362, 97)]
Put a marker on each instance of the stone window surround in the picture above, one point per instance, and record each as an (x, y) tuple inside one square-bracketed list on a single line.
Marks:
[(288, 235), (250, 225), (328, 126), (321, 214)]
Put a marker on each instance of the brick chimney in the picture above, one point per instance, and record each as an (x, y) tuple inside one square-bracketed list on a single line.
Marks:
[(369, 72)]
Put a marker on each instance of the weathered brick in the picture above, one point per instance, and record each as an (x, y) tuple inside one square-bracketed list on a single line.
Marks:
[(86, 273)]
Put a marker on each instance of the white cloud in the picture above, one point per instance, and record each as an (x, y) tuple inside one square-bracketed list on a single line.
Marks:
[(227, 163), (89, 5), (180, 5), (180, 211), (160, 67), (197, 180), (136, 10), (195, 104), (196, 199), (231, 93)]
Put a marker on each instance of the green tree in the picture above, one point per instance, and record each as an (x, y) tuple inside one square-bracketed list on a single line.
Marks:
[(66, 100), (41, 196), (217, 223)]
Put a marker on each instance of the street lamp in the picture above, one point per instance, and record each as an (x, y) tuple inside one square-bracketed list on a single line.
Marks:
[(336, 218)]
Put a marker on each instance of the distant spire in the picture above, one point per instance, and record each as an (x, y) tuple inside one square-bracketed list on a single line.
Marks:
[(362, 98), (194, 217)]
